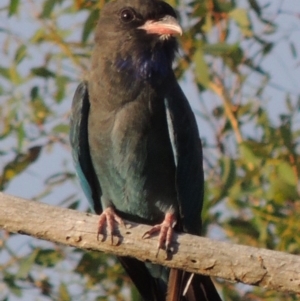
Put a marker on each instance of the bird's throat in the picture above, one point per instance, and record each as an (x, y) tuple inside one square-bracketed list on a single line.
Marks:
[(148, 65)]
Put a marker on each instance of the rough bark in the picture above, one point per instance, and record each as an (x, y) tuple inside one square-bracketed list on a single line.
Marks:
[(269, 269)]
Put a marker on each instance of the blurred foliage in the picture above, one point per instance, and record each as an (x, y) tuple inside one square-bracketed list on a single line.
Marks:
[(251, 154)]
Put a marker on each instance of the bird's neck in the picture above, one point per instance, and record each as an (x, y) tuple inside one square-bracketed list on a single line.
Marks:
[(123, 78)]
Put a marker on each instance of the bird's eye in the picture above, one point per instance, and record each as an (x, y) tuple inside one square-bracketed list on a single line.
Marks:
[(127, 15)]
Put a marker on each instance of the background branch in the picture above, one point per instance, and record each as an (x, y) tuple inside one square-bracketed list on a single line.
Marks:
[(269, 269)]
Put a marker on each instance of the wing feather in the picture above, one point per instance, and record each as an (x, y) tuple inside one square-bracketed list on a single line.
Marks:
[(80, 147), (186, 145)]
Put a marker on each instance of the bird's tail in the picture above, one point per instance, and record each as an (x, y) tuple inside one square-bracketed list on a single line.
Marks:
[(185, 286), (150, 288), (181, 286)]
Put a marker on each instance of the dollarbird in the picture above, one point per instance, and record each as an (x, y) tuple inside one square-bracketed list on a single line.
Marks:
[(135, 142)]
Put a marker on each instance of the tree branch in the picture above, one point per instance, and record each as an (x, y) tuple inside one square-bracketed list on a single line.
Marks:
[(269, 269)]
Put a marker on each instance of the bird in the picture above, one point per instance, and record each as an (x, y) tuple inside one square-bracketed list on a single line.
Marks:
[(135, 142)]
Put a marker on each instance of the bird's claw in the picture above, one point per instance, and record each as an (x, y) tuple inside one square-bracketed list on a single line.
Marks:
[(108, 217), (165, 230)]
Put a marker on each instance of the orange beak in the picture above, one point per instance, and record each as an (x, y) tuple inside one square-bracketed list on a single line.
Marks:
[(168, 25)]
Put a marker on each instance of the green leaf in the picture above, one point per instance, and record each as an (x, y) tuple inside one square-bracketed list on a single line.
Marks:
[(293, 50), (201, 10), (248, 155), (19, 164), (74, 205), (40, 110), (61, 82), (63, 292), (21, 135), (260, 149), (280, 191), (286, 135), (227, 172), (201, 68), (244, 109), (4, 72), (61, 128), (20, 54), (45, 286), (48, 257), (244, 227), (39, 36), (42, 72), (48, 8), (10, 281), (135, 296), (92, 265), (34, 92), (240, 16), (26, 265), (223, 6), (11, 74), (255, 6), (13, 7), (268, 48), (89, 25), (208, 23), (15, 76), (221, 49), (286, 173)]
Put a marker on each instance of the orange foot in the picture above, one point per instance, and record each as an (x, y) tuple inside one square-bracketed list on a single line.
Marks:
[(165, 230), (108, 217)]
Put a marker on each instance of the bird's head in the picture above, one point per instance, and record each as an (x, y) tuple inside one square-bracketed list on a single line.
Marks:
[(138, 35)]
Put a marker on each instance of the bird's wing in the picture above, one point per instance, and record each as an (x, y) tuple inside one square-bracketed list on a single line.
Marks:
[(187, 150), (151, 289), (80, 147)]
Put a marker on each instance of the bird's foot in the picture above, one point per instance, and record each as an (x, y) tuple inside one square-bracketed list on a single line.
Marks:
[(108, 217), (165, 230)]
